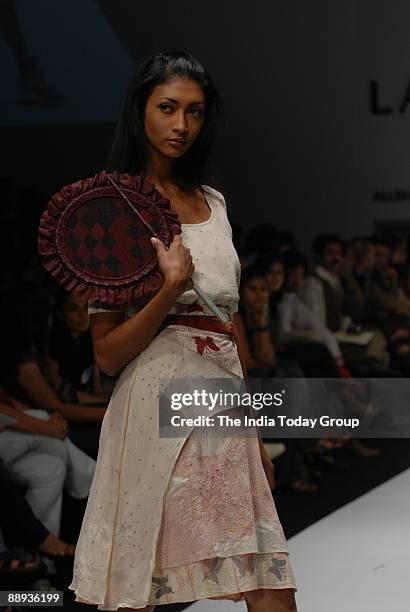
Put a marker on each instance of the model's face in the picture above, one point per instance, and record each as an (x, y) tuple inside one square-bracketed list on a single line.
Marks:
[(174, 110), (332, 257), (275, 277), (75, 314), (255, 292)]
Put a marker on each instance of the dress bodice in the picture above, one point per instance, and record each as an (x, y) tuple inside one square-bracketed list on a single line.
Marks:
[(217, 266)]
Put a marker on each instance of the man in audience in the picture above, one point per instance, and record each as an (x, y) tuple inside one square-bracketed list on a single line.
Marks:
[(385, 294), (325, 295)]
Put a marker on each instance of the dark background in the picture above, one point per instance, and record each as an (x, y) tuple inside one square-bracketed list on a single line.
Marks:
[(305, 146)]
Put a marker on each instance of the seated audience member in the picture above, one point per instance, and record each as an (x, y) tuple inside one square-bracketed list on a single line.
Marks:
[(31, 377), (323, 293), (296, 324), (388, 305), (71, 347), (399, 260), (39, 456), (254, 325), (356, 278), (293, 327), (385, 294), (20, 524), (261, 360), (312, 348)]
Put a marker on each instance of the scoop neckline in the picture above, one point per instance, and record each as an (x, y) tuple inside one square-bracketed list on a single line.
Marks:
[(210, 218)]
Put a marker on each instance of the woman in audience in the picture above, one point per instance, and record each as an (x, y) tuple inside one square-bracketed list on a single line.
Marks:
[(31, 377), (71, 347), (295, 328), (254, 323)]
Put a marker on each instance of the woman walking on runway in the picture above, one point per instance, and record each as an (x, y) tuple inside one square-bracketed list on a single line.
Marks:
[(177, 519)]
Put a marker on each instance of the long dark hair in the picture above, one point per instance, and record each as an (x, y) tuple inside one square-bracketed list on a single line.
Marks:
[(129, 152)]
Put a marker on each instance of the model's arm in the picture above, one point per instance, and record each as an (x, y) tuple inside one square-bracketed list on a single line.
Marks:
[(117, 342)]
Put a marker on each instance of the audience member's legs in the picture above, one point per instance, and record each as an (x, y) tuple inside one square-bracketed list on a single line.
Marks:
[(80, 467), (20, 524), (44, 477)]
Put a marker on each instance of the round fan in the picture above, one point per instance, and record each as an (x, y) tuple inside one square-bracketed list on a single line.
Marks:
[(94, 237)]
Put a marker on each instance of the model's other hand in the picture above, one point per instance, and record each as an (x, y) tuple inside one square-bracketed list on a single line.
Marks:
[(175, 263)]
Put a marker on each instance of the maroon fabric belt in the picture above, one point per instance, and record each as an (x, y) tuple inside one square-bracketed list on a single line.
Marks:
[(207, 323)]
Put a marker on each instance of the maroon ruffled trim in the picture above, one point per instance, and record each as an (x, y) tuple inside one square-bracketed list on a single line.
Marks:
[(51, 240)]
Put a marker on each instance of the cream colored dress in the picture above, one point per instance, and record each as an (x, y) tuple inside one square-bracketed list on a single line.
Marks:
[(181, 519)]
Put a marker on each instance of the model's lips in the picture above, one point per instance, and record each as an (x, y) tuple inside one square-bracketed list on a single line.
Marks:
[(180, 140)]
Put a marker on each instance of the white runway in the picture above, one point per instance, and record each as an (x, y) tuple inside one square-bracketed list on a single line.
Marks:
[(355, 559)]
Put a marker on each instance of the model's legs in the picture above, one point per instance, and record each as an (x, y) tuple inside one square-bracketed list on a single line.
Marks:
[(271, 600)]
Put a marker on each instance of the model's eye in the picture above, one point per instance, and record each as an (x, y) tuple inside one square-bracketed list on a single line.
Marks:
[(163, 106), (198, 111)]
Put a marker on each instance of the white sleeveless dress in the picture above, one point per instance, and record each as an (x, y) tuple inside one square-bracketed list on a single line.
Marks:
[(181, 519)]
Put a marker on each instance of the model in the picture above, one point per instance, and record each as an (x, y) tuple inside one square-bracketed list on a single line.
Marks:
[(176, 519)]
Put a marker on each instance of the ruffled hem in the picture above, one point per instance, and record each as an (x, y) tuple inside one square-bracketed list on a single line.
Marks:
[(217, 578), (221, 578)]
